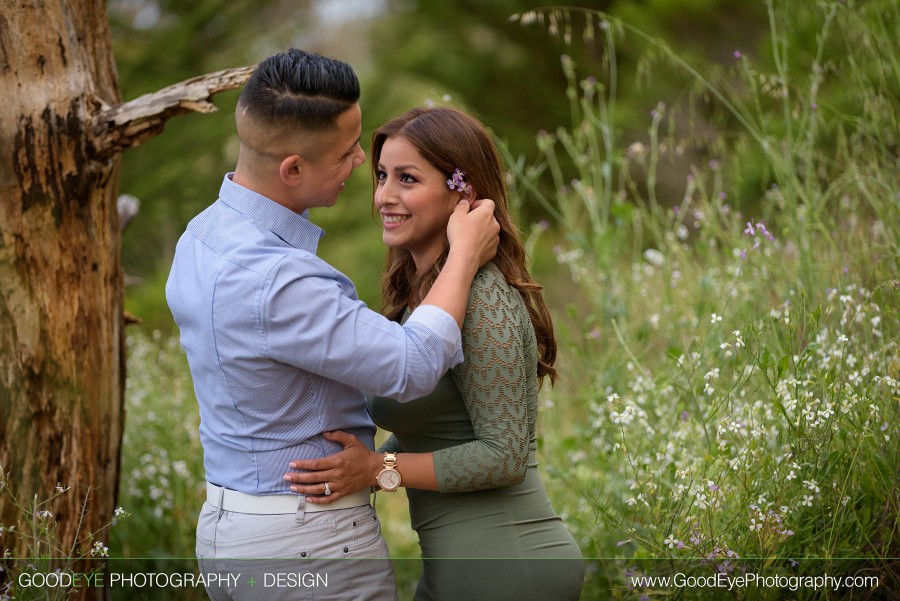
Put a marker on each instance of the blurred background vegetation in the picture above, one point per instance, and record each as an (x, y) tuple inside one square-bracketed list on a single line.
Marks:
[(407, 53)]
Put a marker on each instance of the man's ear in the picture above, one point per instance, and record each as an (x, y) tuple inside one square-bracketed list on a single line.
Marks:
[(291, 170)]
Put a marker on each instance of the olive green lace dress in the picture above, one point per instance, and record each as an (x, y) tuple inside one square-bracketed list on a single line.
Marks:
[(490, 533)]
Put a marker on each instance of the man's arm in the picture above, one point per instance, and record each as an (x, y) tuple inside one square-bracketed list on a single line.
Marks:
[(309, 319)]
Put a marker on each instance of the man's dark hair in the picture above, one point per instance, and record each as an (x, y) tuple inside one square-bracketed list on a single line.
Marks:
[(302, 88)]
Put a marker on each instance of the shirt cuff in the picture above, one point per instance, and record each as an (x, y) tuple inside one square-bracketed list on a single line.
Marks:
[(441, 323)]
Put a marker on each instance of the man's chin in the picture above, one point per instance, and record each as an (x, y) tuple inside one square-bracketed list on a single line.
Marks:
[(326, 203)]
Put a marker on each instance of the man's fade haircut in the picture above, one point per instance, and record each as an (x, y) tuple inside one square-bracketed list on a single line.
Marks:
[(300, 89)]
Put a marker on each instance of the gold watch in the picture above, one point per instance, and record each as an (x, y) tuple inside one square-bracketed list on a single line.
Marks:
[(389, 478)]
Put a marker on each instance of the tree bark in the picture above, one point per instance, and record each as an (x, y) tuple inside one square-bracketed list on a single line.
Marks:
[(61, 341), (62, 367)]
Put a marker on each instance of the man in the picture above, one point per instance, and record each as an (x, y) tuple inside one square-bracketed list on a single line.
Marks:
[(280, 347)]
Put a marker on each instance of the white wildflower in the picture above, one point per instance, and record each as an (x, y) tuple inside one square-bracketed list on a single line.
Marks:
[(99, 550), (654, 257)]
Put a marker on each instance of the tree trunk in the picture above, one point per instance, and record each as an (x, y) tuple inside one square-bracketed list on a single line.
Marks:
[(62, 367), (61, 338)]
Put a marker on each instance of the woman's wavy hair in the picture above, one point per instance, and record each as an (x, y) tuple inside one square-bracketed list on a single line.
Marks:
[(450, 139)]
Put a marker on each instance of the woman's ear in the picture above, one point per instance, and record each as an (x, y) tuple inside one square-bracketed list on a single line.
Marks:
[(291, 170)]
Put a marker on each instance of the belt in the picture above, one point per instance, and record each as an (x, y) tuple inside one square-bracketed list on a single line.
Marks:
[(232, 500)]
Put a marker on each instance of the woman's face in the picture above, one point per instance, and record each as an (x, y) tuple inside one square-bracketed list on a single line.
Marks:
[(414, 202)]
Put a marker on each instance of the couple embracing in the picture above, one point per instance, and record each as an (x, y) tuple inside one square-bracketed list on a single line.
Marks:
[(283, 355)]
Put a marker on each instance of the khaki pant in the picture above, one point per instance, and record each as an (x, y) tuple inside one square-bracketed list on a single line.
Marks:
[(335, 555)]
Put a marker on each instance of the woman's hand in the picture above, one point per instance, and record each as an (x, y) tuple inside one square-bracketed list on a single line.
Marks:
[(345, 473), (474, 229)]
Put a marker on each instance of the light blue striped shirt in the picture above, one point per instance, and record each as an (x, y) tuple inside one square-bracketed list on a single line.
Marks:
[(279, 346)]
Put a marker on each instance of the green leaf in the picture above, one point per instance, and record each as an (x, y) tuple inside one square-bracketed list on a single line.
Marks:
[(784, 365)]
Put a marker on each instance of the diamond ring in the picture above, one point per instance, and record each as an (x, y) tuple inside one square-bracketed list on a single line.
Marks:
[(327, 489)]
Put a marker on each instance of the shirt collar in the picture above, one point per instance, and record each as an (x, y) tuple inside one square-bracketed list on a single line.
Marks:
[(295, 229)]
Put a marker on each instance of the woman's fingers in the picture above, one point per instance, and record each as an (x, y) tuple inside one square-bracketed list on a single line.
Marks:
[(312, 478)]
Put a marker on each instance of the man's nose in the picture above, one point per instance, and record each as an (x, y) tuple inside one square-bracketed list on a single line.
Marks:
[(360, 157)]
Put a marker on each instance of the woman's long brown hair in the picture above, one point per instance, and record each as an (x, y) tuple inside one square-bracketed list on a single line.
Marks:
[(450, 139)]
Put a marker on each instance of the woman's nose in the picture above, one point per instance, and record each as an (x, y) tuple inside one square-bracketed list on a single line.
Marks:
[(381, 198)]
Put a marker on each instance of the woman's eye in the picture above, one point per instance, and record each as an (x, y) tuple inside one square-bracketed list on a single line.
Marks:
[(380, 175), (407, 179)]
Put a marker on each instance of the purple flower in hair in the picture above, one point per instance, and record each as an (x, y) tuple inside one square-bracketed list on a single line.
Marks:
[(458, 182)]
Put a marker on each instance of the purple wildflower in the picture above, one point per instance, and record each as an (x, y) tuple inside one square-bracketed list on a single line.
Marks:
[(761, 227), (758, 228), (458, 182), (737, 54)]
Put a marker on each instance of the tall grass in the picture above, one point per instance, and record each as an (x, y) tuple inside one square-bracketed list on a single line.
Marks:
[(739, 372)]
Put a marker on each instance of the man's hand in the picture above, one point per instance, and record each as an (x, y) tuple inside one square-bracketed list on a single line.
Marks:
[(346, 472), (473, 229)]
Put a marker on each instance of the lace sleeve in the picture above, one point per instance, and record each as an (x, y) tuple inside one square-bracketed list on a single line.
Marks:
[(492, 382)]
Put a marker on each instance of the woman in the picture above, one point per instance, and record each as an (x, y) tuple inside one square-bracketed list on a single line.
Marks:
[(466, 452)]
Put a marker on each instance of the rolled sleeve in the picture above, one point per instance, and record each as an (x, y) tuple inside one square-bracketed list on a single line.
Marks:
[(442, 326)]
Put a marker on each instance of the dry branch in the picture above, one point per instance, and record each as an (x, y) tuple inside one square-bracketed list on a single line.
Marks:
[(132, 122)]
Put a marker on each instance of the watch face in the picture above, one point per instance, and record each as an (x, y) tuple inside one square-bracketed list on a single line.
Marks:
[(389, 479)]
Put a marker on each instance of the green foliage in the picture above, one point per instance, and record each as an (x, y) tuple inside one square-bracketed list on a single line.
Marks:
[(740, 370), (162, 476), (162, 470), (409, 54)]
